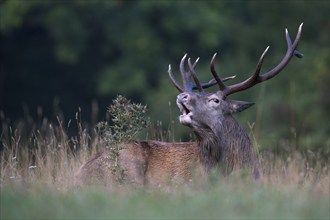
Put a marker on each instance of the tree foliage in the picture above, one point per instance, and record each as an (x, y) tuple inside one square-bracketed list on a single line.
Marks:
[(82, 50)]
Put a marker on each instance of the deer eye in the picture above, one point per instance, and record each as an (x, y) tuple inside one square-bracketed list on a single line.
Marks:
[(215, 100)]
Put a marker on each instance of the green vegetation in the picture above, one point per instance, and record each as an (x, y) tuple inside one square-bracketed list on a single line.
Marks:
[(226, 201), (128, 119), (37, 181)]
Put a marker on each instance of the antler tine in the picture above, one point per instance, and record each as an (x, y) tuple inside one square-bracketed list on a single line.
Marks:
[(289, 54), (256, 77), (260, 62), (209, 84), (175, 83), (193, 73), (213, 82), (222, 86), (289, 42), (187, 85), (228, 78), (196, 61)]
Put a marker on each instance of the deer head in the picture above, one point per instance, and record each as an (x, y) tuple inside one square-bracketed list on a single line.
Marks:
[(209, 115), (202, 110)]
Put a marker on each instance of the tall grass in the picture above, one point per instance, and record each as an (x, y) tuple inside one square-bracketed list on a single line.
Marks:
[(38, 162), (44, 155)]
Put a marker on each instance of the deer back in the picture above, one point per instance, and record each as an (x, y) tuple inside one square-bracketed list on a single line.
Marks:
[(151, 163)]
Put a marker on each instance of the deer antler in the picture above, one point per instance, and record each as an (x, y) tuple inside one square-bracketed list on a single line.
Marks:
[(256, 77), (188, 86)]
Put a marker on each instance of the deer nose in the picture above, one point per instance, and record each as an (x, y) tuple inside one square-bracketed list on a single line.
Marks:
[(183, 97)]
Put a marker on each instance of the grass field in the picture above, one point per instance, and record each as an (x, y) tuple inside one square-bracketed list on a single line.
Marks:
[(37, 183), (228, 200)]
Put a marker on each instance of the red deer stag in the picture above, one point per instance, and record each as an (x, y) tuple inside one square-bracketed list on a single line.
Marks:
[(222, 144)]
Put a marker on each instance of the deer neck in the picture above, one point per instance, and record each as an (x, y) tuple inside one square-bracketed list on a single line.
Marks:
[(217, 142)]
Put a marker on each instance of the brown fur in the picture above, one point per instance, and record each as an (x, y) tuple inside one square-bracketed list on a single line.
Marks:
[(151, 163)]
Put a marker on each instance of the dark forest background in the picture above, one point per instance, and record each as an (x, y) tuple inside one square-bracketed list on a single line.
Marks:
[(57, 57)]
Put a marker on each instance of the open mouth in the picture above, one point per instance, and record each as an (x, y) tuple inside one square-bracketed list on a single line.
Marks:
[(186, 116), (184, 110)]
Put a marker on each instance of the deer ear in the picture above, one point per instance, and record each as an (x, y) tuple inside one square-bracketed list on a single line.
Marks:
[(238, 106)]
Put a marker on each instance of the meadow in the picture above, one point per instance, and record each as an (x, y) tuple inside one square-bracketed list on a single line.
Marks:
[(37, 182)]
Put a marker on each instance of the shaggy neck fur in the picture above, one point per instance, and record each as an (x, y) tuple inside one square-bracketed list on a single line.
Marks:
[(226, 146)]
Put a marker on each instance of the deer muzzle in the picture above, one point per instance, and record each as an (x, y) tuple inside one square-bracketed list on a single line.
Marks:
[(182, 101)]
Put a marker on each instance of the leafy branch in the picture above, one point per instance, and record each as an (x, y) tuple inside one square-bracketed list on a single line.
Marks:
[(128, 119)]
